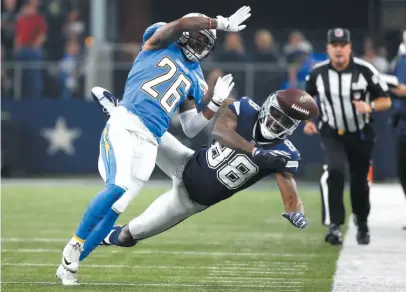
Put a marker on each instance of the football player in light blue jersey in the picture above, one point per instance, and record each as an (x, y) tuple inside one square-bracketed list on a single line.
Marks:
[(165, 77)]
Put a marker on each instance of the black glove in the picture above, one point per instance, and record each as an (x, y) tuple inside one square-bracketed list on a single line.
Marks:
[(275, 159)]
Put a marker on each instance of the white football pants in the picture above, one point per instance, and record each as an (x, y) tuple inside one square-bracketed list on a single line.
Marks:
[(127, 155), (173, 206)]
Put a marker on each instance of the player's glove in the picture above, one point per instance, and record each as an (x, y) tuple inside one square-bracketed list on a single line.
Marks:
[(275, 159), (233, 23), (296, 218), (222, 90), (104, 97)]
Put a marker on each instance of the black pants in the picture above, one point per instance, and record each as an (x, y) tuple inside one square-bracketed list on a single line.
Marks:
[(401, 161), (356, 149)]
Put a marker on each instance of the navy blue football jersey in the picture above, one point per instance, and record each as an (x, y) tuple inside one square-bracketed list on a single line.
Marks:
[(215, 173)]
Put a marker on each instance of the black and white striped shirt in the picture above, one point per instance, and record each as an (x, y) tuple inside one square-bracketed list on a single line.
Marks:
[(338, 89)]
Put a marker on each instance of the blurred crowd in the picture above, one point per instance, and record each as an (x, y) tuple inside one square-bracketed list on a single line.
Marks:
[(35, 32), (50, 35)]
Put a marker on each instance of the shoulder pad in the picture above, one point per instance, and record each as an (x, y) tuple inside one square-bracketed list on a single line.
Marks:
[(249, 103), (151, 30), (235, 107)]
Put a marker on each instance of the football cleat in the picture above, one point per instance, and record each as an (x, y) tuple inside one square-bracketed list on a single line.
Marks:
[(363, 236), (106, 240), (334, 235), (70, 256), (66, 277)]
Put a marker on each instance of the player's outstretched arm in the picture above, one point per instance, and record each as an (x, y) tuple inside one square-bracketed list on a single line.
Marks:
[(225, 133), (193, 122), (172, 31), (294, 211), (289, 193)]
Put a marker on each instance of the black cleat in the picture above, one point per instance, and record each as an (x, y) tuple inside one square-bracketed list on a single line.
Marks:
[(363, 236), (334, 235)]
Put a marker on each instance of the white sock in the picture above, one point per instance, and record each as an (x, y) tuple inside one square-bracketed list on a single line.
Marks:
[(74, 241)]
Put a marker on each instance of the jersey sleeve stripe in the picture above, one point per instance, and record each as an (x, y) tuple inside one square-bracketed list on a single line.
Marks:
[(291, 164), (391, 80), (237, 107)]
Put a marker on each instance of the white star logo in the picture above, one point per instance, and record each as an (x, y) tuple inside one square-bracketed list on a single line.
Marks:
[(61, 137)]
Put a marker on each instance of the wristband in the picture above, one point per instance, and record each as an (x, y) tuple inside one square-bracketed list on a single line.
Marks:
[(373, 106), (213, 106)]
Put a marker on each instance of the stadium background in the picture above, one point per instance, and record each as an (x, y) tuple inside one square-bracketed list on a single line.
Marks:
[(51, 126)]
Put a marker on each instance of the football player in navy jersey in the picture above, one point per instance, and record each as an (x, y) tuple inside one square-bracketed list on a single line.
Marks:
[(249, 144)]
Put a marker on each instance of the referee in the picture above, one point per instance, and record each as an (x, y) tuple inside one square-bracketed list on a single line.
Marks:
[(349, 89)]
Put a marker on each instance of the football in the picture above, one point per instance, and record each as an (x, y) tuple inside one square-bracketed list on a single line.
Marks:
[(297, 104)]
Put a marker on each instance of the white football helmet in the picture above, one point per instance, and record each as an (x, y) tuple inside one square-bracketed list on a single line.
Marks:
[(273, 121), (198, 45)]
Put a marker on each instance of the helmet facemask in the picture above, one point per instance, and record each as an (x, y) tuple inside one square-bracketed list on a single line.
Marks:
[(197, 45), (273, 122)]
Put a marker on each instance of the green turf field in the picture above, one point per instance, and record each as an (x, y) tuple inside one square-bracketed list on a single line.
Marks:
[(242, 244)]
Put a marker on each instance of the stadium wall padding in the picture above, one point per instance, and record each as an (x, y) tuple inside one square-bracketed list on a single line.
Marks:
[(30, 119)]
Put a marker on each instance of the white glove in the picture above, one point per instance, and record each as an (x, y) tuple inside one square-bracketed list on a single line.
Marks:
[(222, 90), (233, 22)]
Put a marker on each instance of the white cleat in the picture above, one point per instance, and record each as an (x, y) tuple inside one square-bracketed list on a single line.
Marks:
[(70, 256), (66, 277)]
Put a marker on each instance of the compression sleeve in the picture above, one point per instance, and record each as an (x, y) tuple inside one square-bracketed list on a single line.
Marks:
[(192, 122)]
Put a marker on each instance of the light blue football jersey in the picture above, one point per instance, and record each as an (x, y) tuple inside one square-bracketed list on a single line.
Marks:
[(159, 81)]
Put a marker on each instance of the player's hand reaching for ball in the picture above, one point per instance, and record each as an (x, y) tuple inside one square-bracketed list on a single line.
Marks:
[(222, 89), (233, 23)]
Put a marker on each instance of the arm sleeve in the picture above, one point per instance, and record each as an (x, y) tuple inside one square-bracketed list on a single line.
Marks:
[(192, 122)]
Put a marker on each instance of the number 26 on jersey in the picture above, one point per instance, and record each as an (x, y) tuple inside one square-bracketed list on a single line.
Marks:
[(171, 96)]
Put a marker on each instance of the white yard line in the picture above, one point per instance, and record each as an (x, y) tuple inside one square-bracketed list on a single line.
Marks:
[(239, 235), (380, 266), (270, 268), (150, 251), (95, 181), (290, 287), (75, 182)]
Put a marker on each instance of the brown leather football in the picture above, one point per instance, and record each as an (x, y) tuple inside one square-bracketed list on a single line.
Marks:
[(297, 104)]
